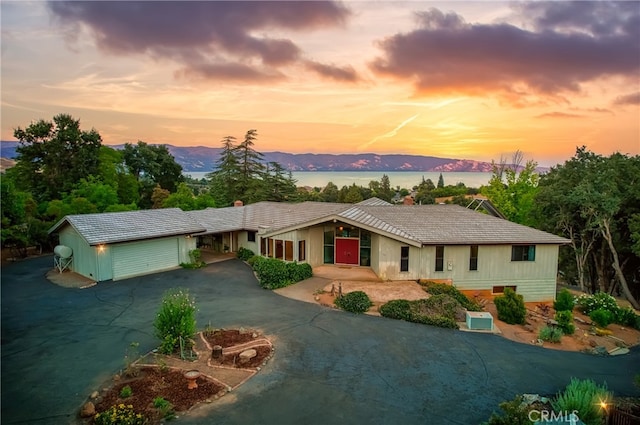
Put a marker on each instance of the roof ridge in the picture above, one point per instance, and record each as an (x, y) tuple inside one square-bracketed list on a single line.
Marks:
[(402, 232)]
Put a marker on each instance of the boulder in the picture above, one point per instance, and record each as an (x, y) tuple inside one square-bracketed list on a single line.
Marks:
[(94, 395), (247, 355), (88, 410)]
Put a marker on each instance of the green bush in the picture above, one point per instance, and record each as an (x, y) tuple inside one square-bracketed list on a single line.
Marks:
[(165, 408), (119, 415), (599, 300), (515, 412), (601, 317), (195, 256), (434, 288), (354, 302), (427, 312), (511, 307), (126, 392), (625, 316), (550, 334), (397, 309), (244, 254), (583, 396), (175, 320), (274, 274), (565, 321), (564, 301)]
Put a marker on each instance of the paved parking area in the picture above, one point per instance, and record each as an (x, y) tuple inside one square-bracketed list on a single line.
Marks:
[(60, 344)]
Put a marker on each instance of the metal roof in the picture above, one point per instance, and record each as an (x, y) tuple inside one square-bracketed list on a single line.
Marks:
[(130, 225)]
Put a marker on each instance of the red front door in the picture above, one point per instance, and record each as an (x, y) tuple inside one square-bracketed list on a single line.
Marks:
[(347, 251)]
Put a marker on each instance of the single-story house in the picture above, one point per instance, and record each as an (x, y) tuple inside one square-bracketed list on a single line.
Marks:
[(476, 252)]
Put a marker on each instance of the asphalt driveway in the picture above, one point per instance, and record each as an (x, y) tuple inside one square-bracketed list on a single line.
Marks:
[(59, 345)]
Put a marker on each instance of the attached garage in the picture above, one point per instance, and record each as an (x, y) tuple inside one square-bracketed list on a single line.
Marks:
[(144, 257), (126, 244)]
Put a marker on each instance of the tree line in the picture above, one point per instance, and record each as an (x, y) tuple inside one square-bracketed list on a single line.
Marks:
[(592, 200)]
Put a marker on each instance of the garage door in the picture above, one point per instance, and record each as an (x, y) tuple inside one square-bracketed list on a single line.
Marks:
[(138, 258)]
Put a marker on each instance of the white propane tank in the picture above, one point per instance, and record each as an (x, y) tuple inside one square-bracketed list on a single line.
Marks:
[(63, 251)]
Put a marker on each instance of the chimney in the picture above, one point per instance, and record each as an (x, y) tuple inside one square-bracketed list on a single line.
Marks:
[(238, 203), (408, 200)]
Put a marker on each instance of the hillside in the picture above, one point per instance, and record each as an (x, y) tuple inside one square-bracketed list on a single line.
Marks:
[(202, 158)]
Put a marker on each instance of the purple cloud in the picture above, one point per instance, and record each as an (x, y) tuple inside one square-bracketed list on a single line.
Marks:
[(345, 74), (559, 115), (628, 99), (207, 37), (569, 46)]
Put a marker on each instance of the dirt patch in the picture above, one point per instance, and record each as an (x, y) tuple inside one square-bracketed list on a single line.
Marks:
[(157, 375)]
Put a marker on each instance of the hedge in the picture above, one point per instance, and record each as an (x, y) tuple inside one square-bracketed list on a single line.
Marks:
[(274, 274)]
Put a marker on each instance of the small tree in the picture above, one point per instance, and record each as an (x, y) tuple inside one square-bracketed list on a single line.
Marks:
[(564, 301), (176, 320), (511, 307)]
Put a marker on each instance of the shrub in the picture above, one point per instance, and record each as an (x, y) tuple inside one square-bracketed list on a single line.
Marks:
[(626, 317), (397, 309), (550, 334), (274, 274), (442, 288), (565, 321), (165, 408), (564, 301), (511, 307), (119, 415), (515, 412), (583, 396), (355, 302), (126, 392), (196, 262), (244, 254), (175, 320), (589, 303), (601, 317)]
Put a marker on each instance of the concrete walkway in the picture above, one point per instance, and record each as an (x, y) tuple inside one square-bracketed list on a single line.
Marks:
[(330, 367)]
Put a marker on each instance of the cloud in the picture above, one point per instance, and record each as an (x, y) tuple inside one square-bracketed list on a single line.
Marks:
[(559, 115), (629, 99), (568, 46), (345, 74), (389, 134), (209, 38)]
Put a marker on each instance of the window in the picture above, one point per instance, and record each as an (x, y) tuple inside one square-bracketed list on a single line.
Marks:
[(328, 245), (347, 232), (439, 258), (523, 253), (473, 257), (500, 289), (404, 259), (365, 248), (251, 236), (301, 251), (263, 246), (279, 249), (270, 247), (288, 250)]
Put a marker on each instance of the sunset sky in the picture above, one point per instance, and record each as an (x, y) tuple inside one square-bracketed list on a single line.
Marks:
[(468, 80)]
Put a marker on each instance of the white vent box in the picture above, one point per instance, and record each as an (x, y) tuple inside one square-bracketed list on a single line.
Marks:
[(479, 320)]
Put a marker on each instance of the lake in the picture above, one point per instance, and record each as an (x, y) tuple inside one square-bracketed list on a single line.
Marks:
[(404, 179)]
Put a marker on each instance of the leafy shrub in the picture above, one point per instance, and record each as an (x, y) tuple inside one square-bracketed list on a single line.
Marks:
[(119, 415), (126, 392), (565, 321), (511, 307), (601, 317), (428, 312), (583, 396), (564, 301), (397, 309), (195, 256), (165, 408), (515, 412), (244, 254), (599, 300), (550, 334), (442, 288), (626, 317), (175, 320), (355, 302), (274, 274)]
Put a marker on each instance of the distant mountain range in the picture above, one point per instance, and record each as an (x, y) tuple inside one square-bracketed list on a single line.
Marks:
[(201, 158)]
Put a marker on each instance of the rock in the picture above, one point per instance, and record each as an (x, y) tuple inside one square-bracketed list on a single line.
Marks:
[(618, 351), (88, 410), (254, 335), (600, 351), (529, 328), (593, 343), (580, 320), (95, 394), (247, 355), (116, 377), (552, 322)]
